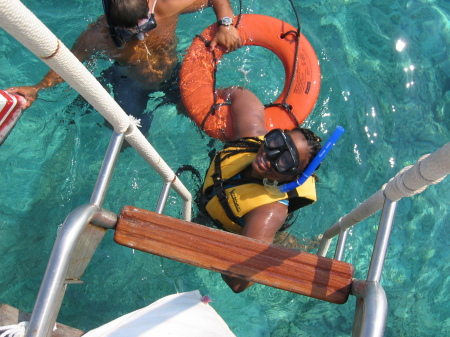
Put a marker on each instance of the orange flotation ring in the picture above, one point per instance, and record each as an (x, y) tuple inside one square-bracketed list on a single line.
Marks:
[(288, 111)]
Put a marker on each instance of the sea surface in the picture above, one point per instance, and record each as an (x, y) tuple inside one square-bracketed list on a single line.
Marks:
[(385, 78)]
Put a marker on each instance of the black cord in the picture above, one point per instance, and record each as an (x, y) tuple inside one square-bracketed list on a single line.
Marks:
[(285, 105), (297, 33), (296, 16)]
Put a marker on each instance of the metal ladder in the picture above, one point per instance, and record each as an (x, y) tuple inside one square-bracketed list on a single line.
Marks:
[(85, 226), (77, 240), (371, 304)]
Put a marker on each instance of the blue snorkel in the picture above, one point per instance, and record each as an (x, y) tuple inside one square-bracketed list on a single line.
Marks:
[(316, 161), (273, 189)]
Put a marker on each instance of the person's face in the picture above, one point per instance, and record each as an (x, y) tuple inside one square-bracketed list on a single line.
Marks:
[(278, 150), (144, 26)]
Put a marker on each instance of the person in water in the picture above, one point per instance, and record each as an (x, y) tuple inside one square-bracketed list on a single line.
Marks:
[(234, 192), (139, 35)]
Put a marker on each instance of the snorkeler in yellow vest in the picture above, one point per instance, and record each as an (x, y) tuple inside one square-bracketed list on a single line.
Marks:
[(229, 196), (234, 193)]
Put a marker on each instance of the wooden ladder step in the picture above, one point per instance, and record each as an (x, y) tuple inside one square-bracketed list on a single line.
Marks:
[(235, 255)]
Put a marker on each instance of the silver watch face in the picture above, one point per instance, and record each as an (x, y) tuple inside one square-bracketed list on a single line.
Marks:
[(226, 21)]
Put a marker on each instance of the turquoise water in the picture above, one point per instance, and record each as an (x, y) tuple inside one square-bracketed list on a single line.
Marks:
[(394, 106)]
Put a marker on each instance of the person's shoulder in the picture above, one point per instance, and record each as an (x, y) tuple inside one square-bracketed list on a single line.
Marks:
[(169, 8), (98, 25), (94, 37)]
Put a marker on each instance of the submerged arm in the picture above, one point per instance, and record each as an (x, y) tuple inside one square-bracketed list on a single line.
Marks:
[(262, 223), (82, 49)]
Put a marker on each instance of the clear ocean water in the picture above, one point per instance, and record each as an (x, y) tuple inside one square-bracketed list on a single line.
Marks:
[(393, 102)]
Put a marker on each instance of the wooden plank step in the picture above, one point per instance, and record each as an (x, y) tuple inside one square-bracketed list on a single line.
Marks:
[(235, 255)]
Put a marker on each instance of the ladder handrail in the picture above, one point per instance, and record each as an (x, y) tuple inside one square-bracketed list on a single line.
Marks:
[(26, 28), (428, 170)]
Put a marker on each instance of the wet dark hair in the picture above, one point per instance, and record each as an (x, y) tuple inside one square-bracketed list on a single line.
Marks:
[(246, 144), (127, 13), (313, 142)]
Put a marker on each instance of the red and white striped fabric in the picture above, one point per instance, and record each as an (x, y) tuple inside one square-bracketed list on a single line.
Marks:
[(10, 112)]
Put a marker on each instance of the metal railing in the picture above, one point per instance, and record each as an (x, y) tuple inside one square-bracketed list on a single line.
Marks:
[(371, 303), (26, 28), (76, 243), (429, 170), (85, 226)]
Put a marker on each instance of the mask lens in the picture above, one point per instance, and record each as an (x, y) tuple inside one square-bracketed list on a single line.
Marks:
[(281, 151), (285, 162), (272, 154), (149, 25), (274, 139)]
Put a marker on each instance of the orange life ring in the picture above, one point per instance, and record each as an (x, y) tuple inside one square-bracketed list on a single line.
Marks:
[(197, 76)]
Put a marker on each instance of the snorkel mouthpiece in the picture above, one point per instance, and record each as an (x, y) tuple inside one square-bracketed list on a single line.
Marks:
[(312, 166)]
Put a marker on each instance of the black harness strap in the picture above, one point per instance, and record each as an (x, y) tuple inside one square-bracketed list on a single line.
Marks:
[(112, 31)]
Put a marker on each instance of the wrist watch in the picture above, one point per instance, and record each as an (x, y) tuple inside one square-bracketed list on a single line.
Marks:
[(225, 21)]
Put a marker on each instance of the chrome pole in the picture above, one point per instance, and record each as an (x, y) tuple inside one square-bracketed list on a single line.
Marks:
[(371, 309), (106, 171), (341, 245), (382, 241), (53, 282), (163, 197)]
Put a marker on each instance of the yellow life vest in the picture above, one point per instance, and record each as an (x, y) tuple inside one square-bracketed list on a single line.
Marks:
[(246, 196)]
